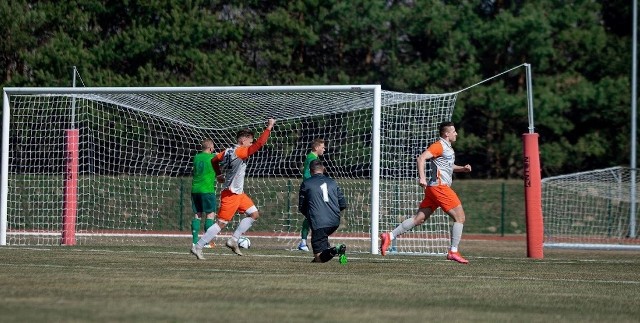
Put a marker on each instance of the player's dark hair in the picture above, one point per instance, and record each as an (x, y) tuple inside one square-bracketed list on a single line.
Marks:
[(244, 133), (316, 166), (442, 128)]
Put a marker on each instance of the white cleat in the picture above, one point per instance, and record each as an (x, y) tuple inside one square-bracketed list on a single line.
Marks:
[(197, 252), (233, 245), (303, 246)]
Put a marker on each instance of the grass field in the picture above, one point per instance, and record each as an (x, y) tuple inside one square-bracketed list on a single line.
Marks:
[(167, 284)]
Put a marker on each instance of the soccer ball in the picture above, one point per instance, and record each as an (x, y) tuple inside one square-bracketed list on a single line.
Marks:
[(244, 242)]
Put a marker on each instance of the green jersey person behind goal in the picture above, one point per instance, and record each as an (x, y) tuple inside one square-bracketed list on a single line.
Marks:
[(317, 150), (203, 190)]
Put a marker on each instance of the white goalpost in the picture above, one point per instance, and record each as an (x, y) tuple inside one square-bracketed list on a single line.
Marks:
[(112, 165), (589, 210)]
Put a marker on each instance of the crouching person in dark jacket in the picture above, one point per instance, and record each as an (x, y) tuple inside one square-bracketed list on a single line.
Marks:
[(321, 201)]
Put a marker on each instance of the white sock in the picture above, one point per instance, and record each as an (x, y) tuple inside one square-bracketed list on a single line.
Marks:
[(405, 226), (456, 235), (209, 235), (244, 225)]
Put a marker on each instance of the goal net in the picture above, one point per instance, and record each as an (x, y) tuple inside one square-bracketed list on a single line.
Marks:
[(589, 210), (114, 164)]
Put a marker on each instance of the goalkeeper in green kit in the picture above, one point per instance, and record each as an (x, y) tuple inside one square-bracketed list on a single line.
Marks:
[(317, 149), (203, 190)]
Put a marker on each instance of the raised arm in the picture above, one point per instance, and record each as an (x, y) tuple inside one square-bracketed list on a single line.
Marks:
[(262, 139)]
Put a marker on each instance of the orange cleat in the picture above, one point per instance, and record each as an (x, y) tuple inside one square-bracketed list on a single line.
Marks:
[(456, 256), (385, 241)]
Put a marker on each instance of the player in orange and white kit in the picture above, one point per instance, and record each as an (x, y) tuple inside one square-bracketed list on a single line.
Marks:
[(232, 198), (437, 191)]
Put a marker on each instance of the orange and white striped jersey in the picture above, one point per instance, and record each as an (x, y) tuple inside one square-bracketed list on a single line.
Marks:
[(441, 164), (234, 162)]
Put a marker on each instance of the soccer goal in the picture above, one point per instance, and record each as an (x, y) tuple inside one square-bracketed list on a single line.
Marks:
[(113, 165), (589, 210)]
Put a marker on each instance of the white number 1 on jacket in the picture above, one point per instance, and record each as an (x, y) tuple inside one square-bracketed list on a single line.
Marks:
[(325, 192)]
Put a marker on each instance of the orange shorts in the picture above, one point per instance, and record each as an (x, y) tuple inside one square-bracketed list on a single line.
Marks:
[(439, 196), (231, 202)]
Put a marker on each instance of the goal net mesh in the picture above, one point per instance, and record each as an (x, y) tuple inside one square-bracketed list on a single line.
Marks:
[(135, 151), (588, 209)]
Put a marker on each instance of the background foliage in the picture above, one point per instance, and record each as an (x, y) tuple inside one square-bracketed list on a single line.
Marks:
[(580, 52)]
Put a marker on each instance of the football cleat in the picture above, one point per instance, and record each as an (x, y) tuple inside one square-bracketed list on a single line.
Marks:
[(233, 245), (456, 256), (385, 241), (303, 246), (342, 249), (197, 252)]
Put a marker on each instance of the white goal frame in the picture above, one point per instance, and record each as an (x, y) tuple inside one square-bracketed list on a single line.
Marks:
[(375, 91)]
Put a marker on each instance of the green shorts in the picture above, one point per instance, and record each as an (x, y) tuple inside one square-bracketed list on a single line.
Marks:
[(204, 202)]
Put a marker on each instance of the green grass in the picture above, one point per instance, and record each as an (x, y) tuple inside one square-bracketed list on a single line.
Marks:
[(166, 284)]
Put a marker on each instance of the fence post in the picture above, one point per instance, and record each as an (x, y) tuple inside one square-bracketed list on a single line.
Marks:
[(502, 206)]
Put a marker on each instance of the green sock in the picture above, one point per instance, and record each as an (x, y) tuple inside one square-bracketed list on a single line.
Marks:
[(208, 223), (304, 233), (195, 229)]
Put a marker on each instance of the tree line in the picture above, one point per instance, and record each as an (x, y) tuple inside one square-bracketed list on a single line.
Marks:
[(580, 53)]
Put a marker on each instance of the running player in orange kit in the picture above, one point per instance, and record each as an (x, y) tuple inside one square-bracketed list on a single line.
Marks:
[(232, 198), (437, 192)]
